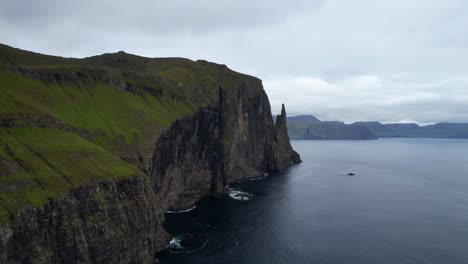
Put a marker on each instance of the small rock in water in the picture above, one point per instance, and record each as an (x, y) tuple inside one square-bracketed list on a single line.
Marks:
[(351, 174)]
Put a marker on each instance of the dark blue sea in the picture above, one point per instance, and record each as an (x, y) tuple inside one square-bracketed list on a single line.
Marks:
[(406, 203)]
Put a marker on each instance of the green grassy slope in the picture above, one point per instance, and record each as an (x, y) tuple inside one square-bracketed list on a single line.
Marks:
[(41, 163), (103, 110), (10, 55), (101, 107)]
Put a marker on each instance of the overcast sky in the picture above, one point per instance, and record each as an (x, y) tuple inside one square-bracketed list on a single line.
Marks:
[(385, 60)]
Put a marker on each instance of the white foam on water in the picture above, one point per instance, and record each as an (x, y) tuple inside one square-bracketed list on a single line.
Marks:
[(175, 243), (240, 195), (181, 211)]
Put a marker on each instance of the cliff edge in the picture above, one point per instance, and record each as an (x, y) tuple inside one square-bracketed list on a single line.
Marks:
[(94, 151)]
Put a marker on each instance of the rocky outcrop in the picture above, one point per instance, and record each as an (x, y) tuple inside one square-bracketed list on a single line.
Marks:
[(285, 153), (29, 120), (121, 221)]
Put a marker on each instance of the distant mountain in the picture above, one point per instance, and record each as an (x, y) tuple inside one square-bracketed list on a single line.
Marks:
[(379, 129), (440, 130), (310, 127), (304, 118)]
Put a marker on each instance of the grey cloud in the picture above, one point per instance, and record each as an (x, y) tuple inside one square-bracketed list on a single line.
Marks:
[(370, 98), (348, 60), (149, 15)]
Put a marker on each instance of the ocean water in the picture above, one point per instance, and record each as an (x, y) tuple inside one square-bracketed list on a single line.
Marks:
[(406, 203)]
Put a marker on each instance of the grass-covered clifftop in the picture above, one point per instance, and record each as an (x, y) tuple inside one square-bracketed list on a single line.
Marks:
[(66, 121)]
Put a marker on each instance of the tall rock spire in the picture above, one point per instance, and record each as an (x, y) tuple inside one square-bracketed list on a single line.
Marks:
[(284, 153)]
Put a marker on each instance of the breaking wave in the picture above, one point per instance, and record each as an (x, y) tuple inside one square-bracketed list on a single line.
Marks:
[(181, 211), (187, 243), (240, 195)]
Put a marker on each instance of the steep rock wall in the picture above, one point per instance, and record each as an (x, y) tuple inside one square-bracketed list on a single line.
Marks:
[(248, 133), (105, 222), (187, 163), (236, 140)]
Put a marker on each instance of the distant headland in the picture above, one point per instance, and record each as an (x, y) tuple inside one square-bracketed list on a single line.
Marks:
[(310, 127)]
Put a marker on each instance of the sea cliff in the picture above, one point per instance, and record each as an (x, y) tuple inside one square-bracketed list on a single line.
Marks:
[(96, 150)]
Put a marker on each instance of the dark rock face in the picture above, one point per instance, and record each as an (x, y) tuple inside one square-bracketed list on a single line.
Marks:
[(187, 162), (285, 153), (234, 141), (248, 133), (106, 222), (121, 221)]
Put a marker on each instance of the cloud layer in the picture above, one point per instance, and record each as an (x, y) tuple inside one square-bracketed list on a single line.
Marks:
[(371, 98), (383, 60)]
